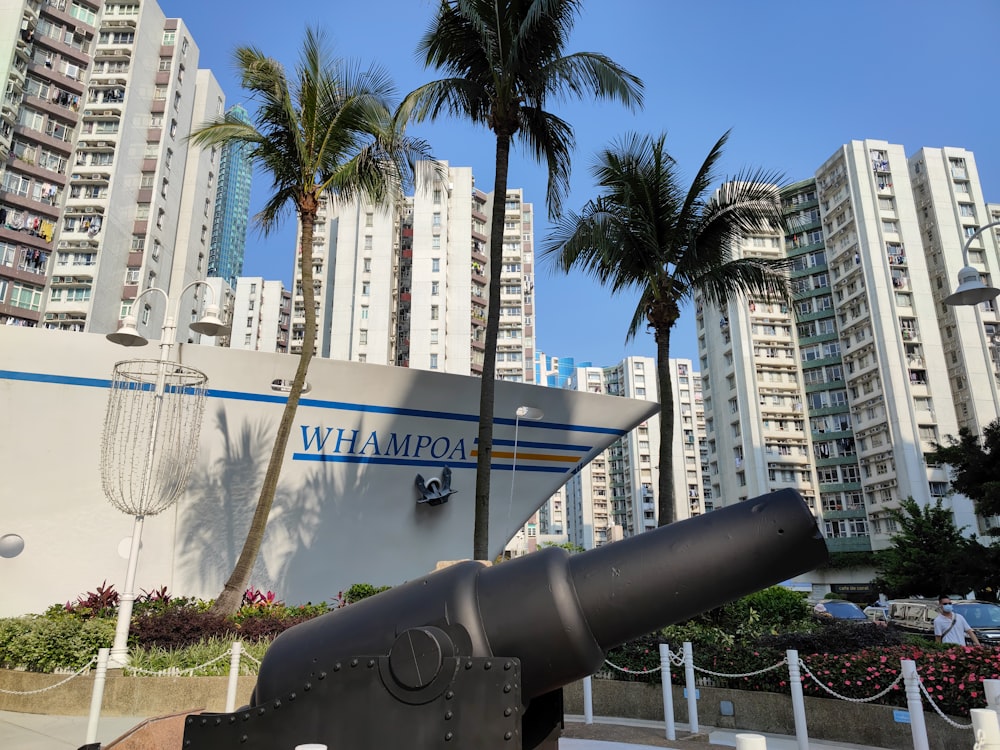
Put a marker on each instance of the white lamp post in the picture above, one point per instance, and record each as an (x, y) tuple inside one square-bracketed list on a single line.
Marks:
[(971, 290), (150, 436)]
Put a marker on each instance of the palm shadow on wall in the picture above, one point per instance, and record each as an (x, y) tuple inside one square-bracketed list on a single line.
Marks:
[(219, 504)]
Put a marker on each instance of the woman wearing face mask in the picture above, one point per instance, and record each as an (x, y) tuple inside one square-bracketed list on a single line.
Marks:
[(951, 627)]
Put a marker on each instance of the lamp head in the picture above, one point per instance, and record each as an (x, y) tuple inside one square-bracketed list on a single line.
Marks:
[(127, 334), (210, 324), (529, 412), (971, 290)]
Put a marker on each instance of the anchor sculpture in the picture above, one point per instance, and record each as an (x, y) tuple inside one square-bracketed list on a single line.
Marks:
[(435, 491)]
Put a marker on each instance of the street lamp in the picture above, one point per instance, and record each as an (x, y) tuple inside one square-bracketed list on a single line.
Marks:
[(971, 290), (150, 436)]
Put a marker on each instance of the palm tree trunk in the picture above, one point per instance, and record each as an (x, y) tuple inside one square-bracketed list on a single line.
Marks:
[(228, 602), (667, 502), (487, 388)]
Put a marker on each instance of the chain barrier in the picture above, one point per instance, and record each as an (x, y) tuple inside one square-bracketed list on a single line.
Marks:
[(177, 671), (85, 668), (248, 657), (677, 659), (781, 663), (835, 694), (626, 670)]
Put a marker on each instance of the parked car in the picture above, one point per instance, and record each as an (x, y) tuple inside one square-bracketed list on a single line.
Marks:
[(840, 609), (917, 616), (878, 612)]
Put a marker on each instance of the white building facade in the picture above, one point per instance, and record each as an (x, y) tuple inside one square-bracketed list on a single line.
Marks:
[(261, 315)]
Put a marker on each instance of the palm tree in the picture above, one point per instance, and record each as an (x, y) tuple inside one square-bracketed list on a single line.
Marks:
[(328, 132), (645, 233), (506, 61)]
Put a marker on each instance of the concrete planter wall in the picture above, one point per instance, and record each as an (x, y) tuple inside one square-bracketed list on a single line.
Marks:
[(835, 720), (123, 695)]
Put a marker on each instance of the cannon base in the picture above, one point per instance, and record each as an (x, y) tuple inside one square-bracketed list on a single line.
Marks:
[(470, 702)]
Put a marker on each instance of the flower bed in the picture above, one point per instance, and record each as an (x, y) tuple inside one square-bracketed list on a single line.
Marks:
[(953, 676)]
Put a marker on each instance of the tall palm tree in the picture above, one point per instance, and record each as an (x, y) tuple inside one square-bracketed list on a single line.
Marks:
[(506, 61), (645, 232), (330, 132)]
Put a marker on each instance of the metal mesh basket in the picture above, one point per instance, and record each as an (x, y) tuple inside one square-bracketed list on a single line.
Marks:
[(151, 434)]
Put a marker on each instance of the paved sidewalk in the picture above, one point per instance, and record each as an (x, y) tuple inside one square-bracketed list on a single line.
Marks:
[(42, 732)]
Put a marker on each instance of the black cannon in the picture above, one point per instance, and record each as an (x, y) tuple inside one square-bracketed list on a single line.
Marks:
[(476, 657)]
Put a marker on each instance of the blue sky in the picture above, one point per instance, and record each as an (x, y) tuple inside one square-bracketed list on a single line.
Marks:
[(793, 79)]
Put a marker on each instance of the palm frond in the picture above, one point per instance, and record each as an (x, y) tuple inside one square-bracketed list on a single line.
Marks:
[(589, 73), (549, 139), (452, 96), (750, 278)]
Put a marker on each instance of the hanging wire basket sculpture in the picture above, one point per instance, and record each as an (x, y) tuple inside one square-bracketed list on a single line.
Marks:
[(151, 434)]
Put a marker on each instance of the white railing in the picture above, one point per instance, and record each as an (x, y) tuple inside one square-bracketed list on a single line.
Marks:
[(984, 721)]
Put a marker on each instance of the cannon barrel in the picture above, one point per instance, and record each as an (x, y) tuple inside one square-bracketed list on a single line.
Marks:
[(559, 613)]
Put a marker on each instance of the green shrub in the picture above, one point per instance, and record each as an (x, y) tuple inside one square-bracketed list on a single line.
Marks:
[(360, 591), (43, 644), (834, 637)]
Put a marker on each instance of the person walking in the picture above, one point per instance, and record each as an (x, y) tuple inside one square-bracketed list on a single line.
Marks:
[(951, 627)]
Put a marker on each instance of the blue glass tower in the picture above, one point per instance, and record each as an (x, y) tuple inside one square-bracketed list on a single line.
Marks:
[(232, 207)]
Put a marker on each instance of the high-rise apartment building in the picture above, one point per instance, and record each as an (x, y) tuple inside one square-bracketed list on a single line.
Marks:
[(614, 495), (105, 96), (261, 315), (754, 397), (46, 51), (407, 284), (232, 206), (843, 393)]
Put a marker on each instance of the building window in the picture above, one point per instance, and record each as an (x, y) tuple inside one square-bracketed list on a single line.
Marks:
[(363, 336), (434, 361), (364, 312), (434, 335), (435, 288), (435, 314), (435, 265), (366, 288)]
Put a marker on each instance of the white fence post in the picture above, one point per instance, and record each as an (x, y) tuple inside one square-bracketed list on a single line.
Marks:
[(691, 687), (234, 676), (915, 705), (97, 697), (798, 701), (985, 728), (992, 690), (750, 742), (668, 692), (588, 700)]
